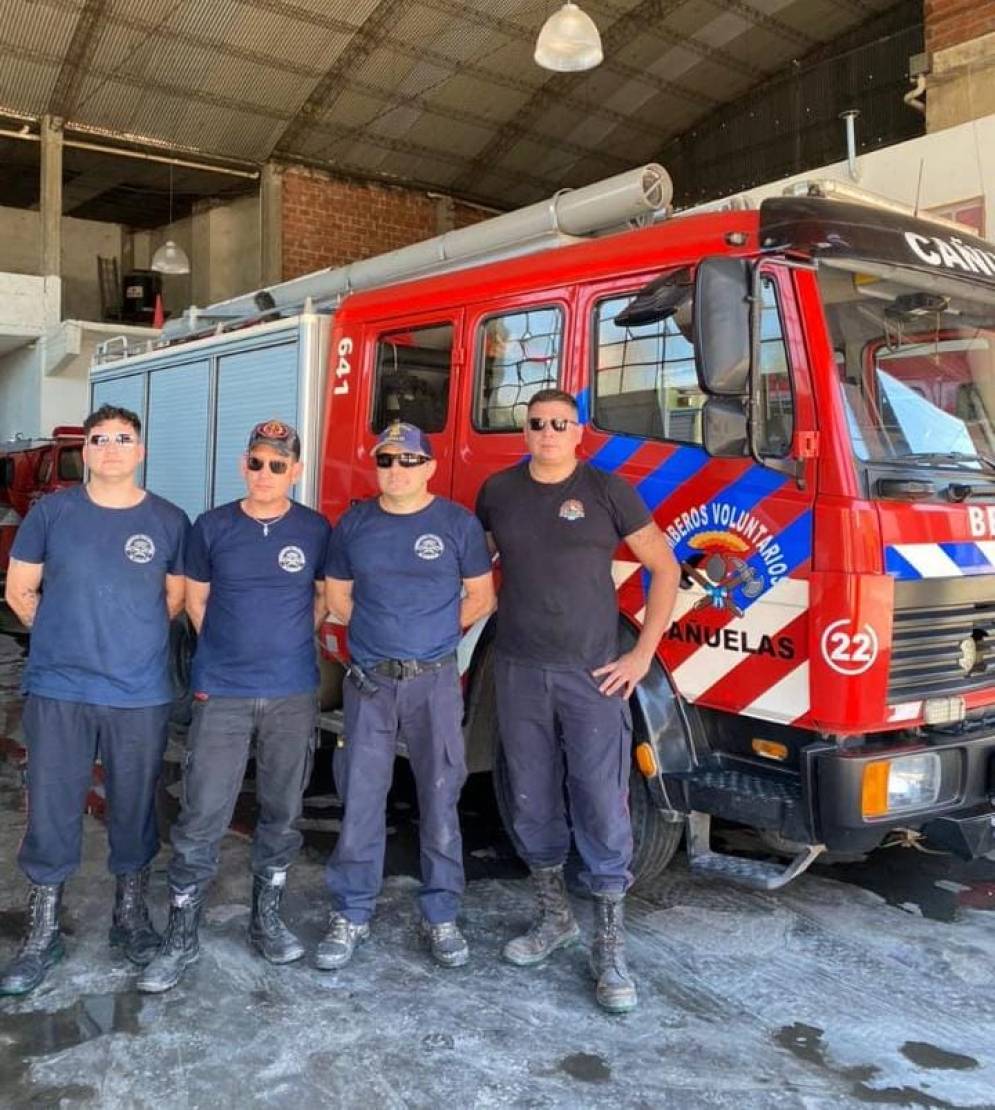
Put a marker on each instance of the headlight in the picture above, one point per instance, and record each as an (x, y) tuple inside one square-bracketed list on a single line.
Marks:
[(896, 785)]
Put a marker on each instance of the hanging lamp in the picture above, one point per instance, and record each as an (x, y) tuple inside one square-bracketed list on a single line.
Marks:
[(171, 258), (569, 41)]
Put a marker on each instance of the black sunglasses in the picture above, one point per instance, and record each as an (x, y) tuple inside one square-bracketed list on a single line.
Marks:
[(557, 423), (277, 466), (407, 459), (122, 439)]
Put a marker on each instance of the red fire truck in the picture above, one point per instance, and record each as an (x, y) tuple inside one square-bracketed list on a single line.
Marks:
[(804, 395), (30, 468)]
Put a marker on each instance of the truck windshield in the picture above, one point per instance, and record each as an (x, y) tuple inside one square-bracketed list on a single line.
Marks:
[(916, 361)]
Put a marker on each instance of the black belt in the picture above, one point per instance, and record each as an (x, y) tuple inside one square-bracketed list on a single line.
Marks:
[(409, 668)]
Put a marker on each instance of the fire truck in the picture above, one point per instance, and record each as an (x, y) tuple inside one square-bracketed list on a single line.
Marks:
[(804, 396), (30, 468)]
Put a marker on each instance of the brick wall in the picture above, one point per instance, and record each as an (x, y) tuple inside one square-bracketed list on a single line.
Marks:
[(331, 222), (951, 22)]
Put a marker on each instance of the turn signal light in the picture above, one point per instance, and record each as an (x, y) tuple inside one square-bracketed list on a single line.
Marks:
[(769, 749), (874, 790), (646, 760)]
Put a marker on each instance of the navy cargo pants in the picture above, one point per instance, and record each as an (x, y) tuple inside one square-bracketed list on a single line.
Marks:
[(218, 750), (557, 726), (425, 712), (63, 738)]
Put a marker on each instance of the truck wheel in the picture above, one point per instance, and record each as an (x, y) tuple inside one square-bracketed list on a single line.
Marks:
[(655, 839)]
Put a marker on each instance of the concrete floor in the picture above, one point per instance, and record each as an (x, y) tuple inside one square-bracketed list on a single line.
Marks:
[(877, 989)]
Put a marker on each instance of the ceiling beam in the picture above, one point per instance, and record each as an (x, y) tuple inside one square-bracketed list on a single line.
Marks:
[(89, 27)]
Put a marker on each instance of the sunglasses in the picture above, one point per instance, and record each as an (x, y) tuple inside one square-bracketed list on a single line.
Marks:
[(277, 466), (557, 423), (407, 459), (122, 439)]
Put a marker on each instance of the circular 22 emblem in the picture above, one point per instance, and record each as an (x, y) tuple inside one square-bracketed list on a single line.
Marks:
[(847, 651)]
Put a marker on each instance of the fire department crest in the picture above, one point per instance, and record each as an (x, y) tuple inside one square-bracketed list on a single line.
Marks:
[(291, 559), (429, 546), (572, 510), (139, 548)]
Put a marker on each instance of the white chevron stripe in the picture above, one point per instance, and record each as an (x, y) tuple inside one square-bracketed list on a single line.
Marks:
[(929, 559), (779, 607), (786, 700)]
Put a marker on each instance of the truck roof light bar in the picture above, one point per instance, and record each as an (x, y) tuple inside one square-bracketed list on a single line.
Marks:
[(830, 189)]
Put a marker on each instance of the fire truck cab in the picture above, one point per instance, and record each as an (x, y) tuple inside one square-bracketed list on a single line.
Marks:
[(804, 395), (30, 468)]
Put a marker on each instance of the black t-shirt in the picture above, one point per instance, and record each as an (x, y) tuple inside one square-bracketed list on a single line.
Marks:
[(557, 605)]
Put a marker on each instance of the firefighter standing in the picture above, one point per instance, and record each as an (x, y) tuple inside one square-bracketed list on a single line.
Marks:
[(255, 593), (110, 556), (556, 523), (396, 568)]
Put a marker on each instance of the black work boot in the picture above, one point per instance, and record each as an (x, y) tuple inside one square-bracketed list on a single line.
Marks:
[(180, 946), (336, 947), (616, 990), (41, 947), (447, 943), (267, 932), (131, 927), (555, 927)]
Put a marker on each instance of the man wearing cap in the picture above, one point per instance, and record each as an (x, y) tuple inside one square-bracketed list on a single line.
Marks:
[(397, 567), (255, 593)]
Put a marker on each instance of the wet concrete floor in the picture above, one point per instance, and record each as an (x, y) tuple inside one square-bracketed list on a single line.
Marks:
[(857, 985)]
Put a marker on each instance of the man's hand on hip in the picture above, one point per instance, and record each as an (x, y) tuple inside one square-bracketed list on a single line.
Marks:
[(623, 674)]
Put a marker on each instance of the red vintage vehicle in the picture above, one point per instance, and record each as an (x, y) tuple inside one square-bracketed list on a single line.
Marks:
[(30, 468)]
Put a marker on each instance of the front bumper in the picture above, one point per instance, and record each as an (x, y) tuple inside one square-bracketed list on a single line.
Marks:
[(961, 820)]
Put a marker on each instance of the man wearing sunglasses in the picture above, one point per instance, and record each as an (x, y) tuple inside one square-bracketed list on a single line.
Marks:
[(397, 567), (110, 558), (562, 686), (255, 594)]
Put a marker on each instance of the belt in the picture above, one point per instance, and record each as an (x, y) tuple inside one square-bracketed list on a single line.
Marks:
[(410, 668)]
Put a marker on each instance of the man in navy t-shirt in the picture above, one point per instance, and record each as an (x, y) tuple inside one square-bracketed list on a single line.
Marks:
[(396, 570), (255, 594), (109, 555)]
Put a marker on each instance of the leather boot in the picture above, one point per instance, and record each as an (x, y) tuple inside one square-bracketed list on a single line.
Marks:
[(555, 927), (131, 927), (267, 932), (42, 945), (180, 945), (616, 990), (336, 947)]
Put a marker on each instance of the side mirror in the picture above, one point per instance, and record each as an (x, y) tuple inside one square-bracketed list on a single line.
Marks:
[(722, 310), (723, 428)]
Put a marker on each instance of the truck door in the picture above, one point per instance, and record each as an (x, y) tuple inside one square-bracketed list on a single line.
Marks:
[(514, 350), (741, 531), (411, 368)]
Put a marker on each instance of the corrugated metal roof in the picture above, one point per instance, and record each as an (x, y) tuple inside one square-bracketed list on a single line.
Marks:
[(434, 91)]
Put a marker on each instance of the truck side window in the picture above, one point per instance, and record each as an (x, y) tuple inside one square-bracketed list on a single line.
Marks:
[(644, 377), (775, 376), (518, 354), (71, 465), (413, 369)]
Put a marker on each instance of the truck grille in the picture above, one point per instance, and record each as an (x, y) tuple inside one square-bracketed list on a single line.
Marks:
[(932, 621)]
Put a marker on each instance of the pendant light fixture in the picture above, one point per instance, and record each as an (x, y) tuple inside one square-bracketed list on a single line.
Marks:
[(171, 258), (569, 41)]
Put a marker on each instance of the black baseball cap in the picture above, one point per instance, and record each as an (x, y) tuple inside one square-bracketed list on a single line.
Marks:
[(277, 434)]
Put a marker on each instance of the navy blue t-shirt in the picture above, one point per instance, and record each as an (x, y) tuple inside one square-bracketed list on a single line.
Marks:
[(257, 638), (407, 571), (101, 633)]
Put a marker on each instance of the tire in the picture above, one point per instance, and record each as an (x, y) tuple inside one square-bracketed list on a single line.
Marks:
[(655, 839)]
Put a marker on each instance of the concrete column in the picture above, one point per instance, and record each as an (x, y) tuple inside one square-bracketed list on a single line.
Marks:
[(51, 196), (270, 224)]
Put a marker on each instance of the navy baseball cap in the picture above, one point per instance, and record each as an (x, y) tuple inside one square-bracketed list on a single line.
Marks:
[(405, 437), (277, 434)]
